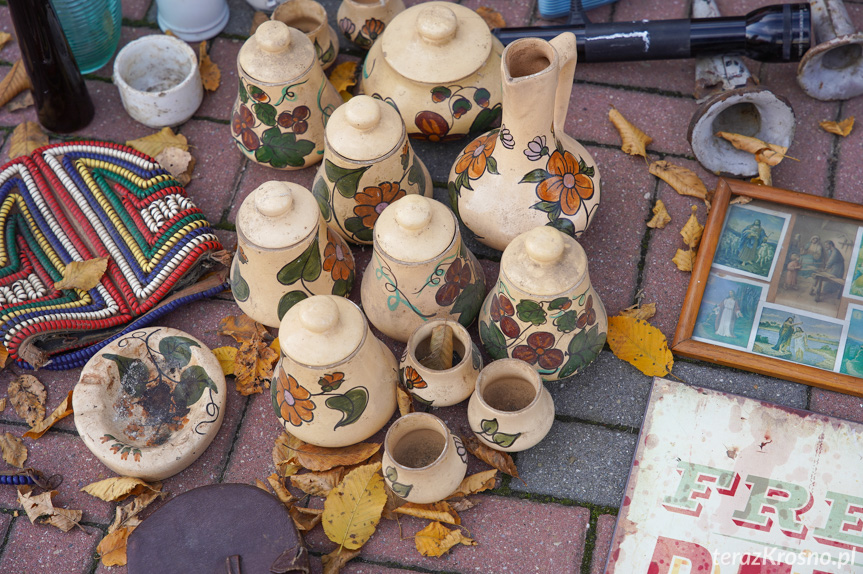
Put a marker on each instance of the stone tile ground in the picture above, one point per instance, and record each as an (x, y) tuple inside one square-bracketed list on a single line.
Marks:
[(561, 518)]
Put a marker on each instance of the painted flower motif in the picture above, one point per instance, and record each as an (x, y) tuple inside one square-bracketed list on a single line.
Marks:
[(502, 312), (413, 380), (536, 148), (295, 120), (475, 157), (242, 126), (347, 27), (539, 349), (565, 183), (432, 125), (336, 260), (506, 139), (331, 381), (372, 28), (588, 316), (406, 150), (258, 94), (373, 200), (457, 278), (294, 404)]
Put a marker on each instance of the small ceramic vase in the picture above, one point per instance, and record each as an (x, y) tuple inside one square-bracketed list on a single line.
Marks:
[(285, 253), (529, 172), (335, 383), (510, 410), (284, 100), (420, 269), (436, 387), (423, 461), (362, 21), (310, 18), (368, 164), (439, 65), (192, 20), (544, 309)]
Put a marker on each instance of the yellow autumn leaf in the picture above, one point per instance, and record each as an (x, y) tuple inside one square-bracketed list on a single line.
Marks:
[(2, 404), (767, 152), (633, 140), (83, 275), (684, 260), (13, 450), (4, 357), (405, 401), (119, 488), (353, 509), (640, 344), (475, 483), (842, 128), (14, 82), (226, 357), (27, 395), (439, 511), (153, 145), (319, 458), (305, 518), (26, 138), (112, 548), (344, 76), (254, 360), (436, 539), (765, 176), (492, 17), (660, 216), (283, 455), (692, 231), (683, 180), (63, 410), (646, 311), (4, 38), (336, 560), (210, 73)]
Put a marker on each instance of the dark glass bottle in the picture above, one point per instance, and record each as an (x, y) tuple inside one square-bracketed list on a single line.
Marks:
[(62, 101)]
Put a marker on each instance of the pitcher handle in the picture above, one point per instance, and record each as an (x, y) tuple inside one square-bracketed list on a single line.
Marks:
[(567, 53)]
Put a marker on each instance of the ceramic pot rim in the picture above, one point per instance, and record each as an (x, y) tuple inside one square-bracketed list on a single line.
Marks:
[(249, 79), (155, 39), (351, 355), (367, 3), (511, 284), (533, 378), (424, 331), (316, 7), (526, 44), (369, 162), (241, 237), (456, 236), (433, 420)]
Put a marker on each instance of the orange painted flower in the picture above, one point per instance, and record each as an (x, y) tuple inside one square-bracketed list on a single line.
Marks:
[(475, 157), (331, 381), (337, 259), (242, 125), (293, 400), (565, 183), (413, 380), (373, 200), (372, 28)]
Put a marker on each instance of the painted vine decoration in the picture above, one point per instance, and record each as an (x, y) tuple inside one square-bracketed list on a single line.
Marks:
[(401, 489), (489, 432), (124, 450), (460, 449), (434, 127), (452, 277), (369, 31), (384, 273), (325, 57), (293, 402)]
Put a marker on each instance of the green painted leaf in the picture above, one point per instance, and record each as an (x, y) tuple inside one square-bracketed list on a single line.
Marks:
[(355, 226), (177, 350), (462, 180), (266, 113), (239, 287), (283, 149), (461, 106), (491, 165), (453, 198), (134, 374), (257, 93), (489, 426), (405, 158), (392, 473), (535, 176), (530, 312), (352, 404), (341, 287), (345, 180), (417, 177), (558, 303), (423, 401), (487, 119), (325, 57), (288, 300), (481, 95), (312, 268), (546, 206), (274, 396), (402, 490), (468, 302), (492, 339), (566, 322), (505, 440), (440, 93), (583, 348), (244, 95), (476, 358), (193, 382), (291, 273), (322, 196), (563, 225)]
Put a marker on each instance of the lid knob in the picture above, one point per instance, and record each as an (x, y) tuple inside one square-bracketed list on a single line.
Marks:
[(437, 24), (319, 314), (273, 36), (413, 213), (544, 244), (363, 112), (274, 198)]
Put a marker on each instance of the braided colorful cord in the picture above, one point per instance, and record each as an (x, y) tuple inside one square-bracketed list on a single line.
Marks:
[(82, 200)]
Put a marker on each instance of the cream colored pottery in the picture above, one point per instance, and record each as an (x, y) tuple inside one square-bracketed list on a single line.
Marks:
[(529, 172), (362, 21), (440, 387), (439, 65), (420, 269), (510, 410), (284, 100), (544, 309), (335, 383), (310, 18), (150, 402), (368, 164), (285, 253), (423, 461)]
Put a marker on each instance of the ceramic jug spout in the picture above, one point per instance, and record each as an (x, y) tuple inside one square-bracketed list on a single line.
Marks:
[(567, 51)]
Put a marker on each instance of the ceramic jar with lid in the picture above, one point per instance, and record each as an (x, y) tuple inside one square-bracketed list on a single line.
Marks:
[(420, 269), (284, 100), (439, 64), (544, 309), (363, 21), (310, 18), (368, 164), (285, 253), (335, 383)]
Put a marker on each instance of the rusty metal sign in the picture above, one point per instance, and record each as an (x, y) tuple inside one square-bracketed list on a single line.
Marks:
[(723, 484)]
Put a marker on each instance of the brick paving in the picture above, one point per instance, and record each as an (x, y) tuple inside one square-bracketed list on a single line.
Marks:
[(561, 519)]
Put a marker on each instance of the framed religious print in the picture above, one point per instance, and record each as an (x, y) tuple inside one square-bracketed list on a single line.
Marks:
[(777, 287)]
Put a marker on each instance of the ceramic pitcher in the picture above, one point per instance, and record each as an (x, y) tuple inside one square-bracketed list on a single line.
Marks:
[(284, 100), (310, 18), (362, 21), (543, 309), (368, 164), (528, 172), (285, 253), (335, 383)]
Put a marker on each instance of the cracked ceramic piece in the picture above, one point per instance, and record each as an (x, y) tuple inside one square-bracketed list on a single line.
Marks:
[(363, 21), (310, 18), (832, 70)]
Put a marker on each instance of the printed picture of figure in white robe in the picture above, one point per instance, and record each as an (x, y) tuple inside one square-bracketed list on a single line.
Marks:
[(727, 313)]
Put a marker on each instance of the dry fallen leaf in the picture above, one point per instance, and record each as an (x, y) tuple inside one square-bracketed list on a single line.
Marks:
[(461, 504), (153, 145), (283, 454), (684, 260), (2, 404), (692, 230), (765, 152), (26, 138), (344, 77), (4, 357), (495, 458), (15, 82), (119, 488), (439, 357), (65, 519), (254, 360), (765, 175), (179, 163), (13, 450), (633, 140), (22, 101), (305, 518), (393, 501), (318, 458), (683, 180), (210, 73), (4, 38), (405, 401), (740, 200), (227, 357), (639, 311), (278, 486), (436, 539), (475, 483), (842, 128), (492, 17), (63, 410), (112, 548), (336, 560), (262, 485), (640, 344), (258, 18), (242, 328), (83, 275), (660, 216), (27, 396), (126, 514), (318, 483), (439, 511), (353, 509), (41, 507)]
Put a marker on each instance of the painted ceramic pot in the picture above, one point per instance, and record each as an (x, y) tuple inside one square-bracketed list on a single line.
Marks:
[(335, 383), (284, 100), (368, 164), (420, 269), (544, 309), (510, 410), (310, 18), (362, 21), (285, 253), (528, 172), (439, 65), (440, 387), (423, 461), (150, 402)]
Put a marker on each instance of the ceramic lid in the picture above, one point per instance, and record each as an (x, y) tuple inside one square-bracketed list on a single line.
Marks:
[(436, 42), (276, 53), (544, 262), (278, 214), (414, 229), (364, 129), (322, 330)]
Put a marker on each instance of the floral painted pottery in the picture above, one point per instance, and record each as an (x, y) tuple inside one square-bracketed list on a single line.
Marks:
[(150, 402), (439, 65), (310, 17), (192, 20), (335, 383), (544, 309), (423, 461), (362, 21), (510, 410), (440, 387), (368, 164), (529, 172), (420, 269), (285, 253), (285, 99)]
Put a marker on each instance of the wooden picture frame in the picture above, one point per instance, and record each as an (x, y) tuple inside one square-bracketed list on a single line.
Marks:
[(781, 282)]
